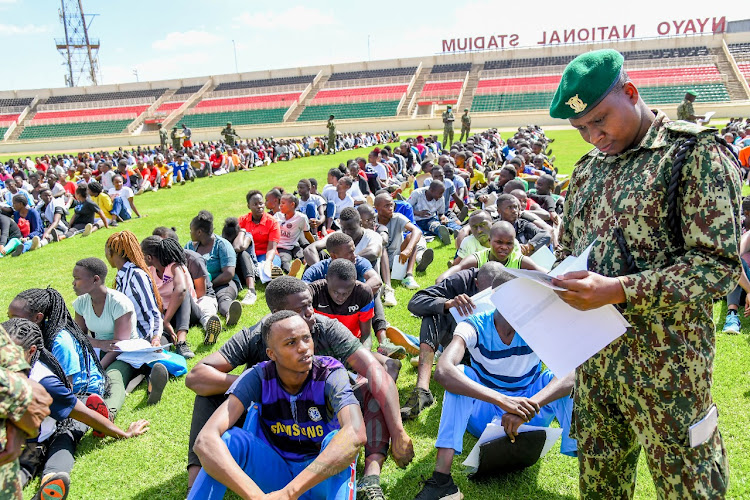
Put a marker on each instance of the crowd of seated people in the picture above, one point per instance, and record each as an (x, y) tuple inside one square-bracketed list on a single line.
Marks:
[(328, 258)]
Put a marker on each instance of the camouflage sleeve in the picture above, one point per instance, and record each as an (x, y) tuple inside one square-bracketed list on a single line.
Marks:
[(710, 266), (15, 394)]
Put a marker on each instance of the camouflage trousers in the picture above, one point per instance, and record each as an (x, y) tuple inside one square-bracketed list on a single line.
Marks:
[(10, 482), (464, 131), (612, 421), (447, 137)]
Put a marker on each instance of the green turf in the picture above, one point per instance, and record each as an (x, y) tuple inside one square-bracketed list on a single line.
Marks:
[(153, 466)]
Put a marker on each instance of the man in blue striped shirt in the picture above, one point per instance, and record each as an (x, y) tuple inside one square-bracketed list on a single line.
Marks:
[(505, 380)]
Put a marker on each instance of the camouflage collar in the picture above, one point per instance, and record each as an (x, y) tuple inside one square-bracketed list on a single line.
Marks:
[(656, 137)]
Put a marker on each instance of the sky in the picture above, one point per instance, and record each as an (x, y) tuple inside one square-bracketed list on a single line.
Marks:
[(176, 39)]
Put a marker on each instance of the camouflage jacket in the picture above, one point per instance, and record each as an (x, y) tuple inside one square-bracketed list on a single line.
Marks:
[(671, 343), (465, 121), (15, 392), (331, 127), (448, 118), (685, 110)]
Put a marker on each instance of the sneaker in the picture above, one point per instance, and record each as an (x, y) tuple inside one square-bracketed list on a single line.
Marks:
[(96, 403), (732, 324), (87, 230), (389, 296), (35, 243), (235, 311), (53, 487), (295, 267), (434, 491), (55, 235), (400, 338), (427, 257), (410, 283), (212, 329), (414, 361), (250, 297), (158, 378), (368, 488), (444, 234), (391, 350), (419, 399), (463, 213), (276, 272), (183, 349), (17, 251)]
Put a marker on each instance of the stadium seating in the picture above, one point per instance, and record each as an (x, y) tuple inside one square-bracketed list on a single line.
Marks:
[(451, 68), (247, 117), (177, 99), (251, 101), (106, 96), (84, 115), (359, 94), (15, 103), (268, 82), (7, 119), (373, 73), (741, 54), (74, 129), (348, 111)]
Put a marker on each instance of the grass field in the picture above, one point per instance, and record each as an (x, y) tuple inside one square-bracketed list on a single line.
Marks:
[(153, 466)]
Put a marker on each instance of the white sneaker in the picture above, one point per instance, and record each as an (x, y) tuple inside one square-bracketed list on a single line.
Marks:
[(250, 298), (389, 296)]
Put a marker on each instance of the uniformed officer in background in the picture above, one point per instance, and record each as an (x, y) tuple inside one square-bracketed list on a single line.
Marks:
[(331, 135), (662, 201), (230, 135), (685, 110), (465, 125), (448, 120)]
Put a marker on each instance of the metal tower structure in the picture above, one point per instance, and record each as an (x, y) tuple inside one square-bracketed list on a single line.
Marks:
[(80, 51)]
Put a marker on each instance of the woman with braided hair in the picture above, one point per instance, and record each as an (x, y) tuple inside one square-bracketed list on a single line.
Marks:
[(123, 252), (167, 262), (51, 453), (72, 349)]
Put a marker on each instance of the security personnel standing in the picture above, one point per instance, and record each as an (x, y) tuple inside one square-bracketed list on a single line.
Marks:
[(22, 402), (663, 260), (331, 136), (448, 120), (465, 125), (175, 136), (162, 138), (685, 110), (230, 135)]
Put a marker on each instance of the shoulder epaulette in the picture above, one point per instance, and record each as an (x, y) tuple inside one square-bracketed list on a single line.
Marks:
[(688, 128)]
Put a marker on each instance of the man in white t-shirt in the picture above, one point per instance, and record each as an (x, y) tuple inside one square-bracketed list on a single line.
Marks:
[(122, 200), (429, 212), (107, 175), (293, 225), (342, 199)]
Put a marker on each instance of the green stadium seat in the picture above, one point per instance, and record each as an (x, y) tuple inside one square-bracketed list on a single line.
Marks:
[(511, 102), (347, 111), (2, 132), (247, 117), (672, 94), (74, 129)]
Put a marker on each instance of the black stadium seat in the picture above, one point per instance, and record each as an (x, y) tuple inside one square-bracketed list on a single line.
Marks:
[(268, 82), (106, 96), (451, 68), (373, 73)]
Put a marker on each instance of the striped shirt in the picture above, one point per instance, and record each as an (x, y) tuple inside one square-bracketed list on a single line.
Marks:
[(498, 366), (136, 285)]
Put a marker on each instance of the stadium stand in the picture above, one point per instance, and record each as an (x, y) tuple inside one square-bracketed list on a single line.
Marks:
[(15, 103), (176, 100), (741, 54), (347, 111), (74, 129), (153, 94), (268, 82), (373, 73)]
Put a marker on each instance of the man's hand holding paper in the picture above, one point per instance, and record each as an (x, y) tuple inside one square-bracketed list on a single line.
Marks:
[(585, 290)]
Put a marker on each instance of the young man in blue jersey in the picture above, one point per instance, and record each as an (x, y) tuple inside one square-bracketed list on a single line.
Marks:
[(505, 380), (303, 431)]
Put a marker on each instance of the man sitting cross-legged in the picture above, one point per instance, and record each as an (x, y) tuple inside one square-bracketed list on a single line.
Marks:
[(376, 391), (433, 305), (505, 380), (300, 446)]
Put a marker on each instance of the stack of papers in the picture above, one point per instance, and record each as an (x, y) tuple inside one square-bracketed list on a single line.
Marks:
[(563, 337), (137, 352)]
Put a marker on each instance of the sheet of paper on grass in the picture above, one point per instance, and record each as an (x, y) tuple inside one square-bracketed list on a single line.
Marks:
[(481, 301), (563, 337), (494, 430)]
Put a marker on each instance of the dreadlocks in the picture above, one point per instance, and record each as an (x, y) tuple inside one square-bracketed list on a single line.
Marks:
[(126, 245), (27, 334), (166, 250), (57, 318)]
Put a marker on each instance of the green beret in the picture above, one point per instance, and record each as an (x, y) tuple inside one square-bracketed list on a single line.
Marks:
[(692, 93), (585, 82)]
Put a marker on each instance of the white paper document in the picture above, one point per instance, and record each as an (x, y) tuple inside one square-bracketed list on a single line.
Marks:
[(137, 352), (543, 257), (563, 337), (138, 345), (494, 430), (481, 301)]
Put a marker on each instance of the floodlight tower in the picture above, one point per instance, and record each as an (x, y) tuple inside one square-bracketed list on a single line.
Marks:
[(80, 51)]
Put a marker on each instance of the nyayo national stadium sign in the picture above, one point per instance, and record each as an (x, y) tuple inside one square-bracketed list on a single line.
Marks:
[(695, 26)]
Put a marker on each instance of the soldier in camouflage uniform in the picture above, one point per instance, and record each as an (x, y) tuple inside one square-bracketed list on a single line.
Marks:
[(24, 402), (448, 120), (175, 136), (465, 125), (331, 135), (685, 110), (230, 135), (162, 138), (651, 384)]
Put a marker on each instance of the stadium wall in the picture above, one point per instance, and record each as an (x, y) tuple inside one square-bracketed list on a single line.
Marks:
[(292, 129)]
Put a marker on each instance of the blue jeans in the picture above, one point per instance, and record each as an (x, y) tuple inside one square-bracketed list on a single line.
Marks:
[(461, 413), (429, 226), (268, 469), (119, 208)]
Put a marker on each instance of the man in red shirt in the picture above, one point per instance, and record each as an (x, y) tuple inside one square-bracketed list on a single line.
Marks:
[(265, 232)]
